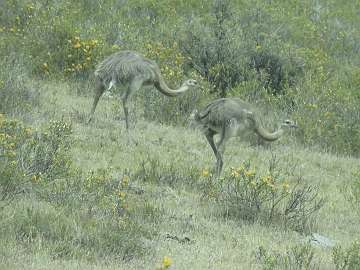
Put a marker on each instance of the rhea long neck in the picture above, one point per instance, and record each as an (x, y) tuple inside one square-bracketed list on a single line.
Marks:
[(266, 135), (166, 90)]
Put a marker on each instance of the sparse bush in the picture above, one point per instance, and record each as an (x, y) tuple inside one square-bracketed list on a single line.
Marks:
[(12, 175), (269, 197), (298, 257), (347, 258), (29, 157)]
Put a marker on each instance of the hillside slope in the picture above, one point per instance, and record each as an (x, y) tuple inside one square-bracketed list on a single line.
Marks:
[(181, 219)]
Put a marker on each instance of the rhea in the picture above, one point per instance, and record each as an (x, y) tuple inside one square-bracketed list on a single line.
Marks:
[(132, 71), (231, 117)]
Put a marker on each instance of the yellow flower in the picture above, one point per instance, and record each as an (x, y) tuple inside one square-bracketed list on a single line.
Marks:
[(205, 173), (122, 194), (77, 45), (235, 173), (166, 262), (249, 173), (115, 47), (45, 66), (267, 179), (286, 186), (125, 180), (241, 168)]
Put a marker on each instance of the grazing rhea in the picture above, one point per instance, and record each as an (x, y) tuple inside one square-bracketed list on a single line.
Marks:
[(230, 117), (132, 71)]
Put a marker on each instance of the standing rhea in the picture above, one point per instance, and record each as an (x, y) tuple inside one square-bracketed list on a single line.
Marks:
[(132, 71), (231, 117)]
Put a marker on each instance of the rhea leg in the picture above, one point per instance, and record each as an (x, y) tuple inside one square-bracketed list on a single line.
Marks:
[(219, 162), (99, 90), (229, 129), (135, 85)]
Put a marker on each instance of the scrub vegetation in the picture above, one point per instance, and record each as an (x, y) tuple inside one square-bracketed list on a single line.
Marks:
[(78, 195)]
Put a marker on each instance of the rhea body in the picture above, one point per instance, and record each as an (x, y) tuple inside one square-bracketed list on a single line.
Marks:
[(131, 71), (231, 117)]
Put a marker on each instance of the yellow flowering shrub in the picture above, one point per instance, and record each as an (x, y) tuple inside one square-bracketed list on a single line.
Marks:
[(81, 55), (12, 176), (31, 157), (268, 197)]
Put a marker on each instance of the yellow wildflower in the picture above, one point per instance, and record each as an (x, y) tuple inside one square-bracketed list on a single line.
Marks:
[(205, 173), (77, 45), (235, 173), (249, 173), (266, 179), (122, 194), (115, 47), (125, 180), (166, 262)]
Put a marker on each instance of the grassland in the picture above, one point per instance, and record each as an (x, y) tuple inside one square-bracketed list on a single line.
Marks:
[(95, 196), (180, 221)]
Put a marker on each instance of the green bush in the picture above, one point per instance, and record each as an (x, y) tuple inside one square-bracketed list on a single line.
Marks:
[(347, 258), (269, 198), (298, 257), (12, 175)]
